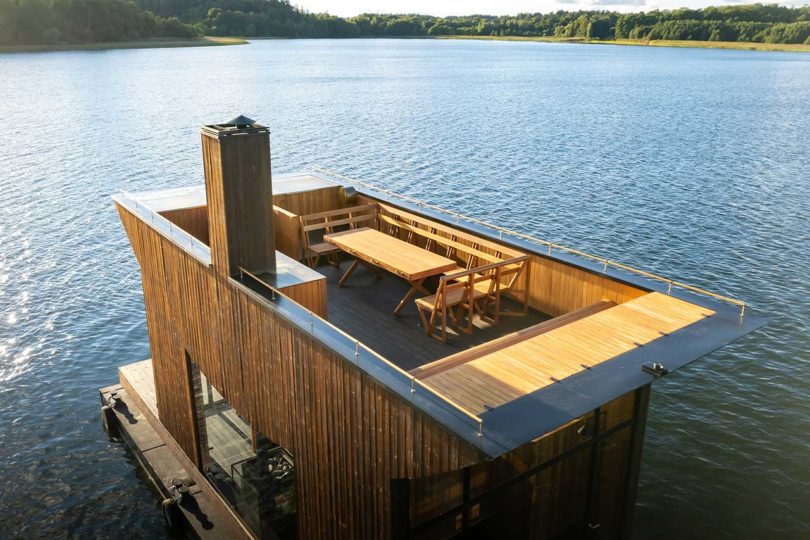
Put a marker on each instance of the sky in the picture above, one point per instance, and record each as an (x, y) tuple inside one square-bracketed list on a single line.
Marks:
[(443, 8)]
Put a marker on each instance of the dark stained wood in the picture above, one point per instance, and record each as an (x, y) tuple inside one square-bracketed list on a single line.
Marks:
[(362, 309), (239, 194), (350, 436)]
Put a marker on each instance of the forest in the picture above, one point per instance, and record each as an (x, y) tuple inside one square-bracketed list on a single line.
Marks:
[(76, 21), (52, 22), (751, 22)]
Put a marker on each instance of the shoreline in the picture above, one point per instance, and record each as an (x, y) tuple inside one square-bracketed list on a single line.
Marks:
[(212, 41), (730, 45), (159, 43)]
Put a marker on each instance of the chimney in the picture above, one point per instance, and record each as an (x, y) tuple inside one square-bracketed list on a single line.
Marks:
[(239, 193)]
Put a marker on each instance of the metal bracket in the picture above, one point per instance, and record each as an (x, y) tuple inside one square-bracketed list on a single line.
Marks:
[(655, 369)]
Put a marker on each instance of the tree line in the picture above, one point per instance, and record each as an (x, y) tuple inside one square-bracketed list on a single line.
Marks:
[(753, 23), (48, 21), (52, 22)]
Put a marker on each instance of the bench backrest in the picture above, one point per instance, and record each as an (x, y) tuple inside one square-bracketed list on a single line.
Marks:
[(340, 219), (474, 252)]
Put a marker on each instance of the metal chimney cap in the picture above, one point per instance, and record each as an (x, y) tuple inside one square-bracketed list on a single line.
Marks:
[(240, 121), (241, 125)]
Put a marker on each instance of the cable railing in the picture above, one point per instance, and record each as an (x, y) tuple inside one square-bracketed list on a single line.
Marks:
[(550, 246), (313, 323)]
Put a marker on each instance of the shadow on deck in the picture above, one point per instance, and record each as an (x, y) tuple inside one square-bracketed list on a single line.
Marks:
[(364, 309)]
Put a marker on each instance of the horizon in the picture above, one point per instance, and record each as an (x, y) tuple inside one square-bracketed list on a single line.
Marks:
[(457, 8)]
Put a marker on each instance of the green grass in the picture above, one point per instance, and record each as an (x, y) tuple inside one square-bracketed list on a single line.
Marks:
[(740, 45), (206, 41)]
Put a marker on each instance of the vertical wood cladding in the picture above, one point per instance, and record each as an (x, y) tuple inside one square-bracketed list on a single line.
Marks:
[(239, 194), (310, 202), (554, 287), (557, 288), (192, 220), (348, 434), (311, 295)]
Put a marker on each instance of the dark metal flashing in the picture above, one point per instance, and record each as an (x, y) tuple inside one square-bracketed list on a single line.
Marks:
[(529, 416)]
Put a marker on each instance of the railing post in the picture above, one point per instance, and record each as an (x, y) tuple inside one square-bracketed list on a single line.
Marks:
[(413, 382), (480, 427)]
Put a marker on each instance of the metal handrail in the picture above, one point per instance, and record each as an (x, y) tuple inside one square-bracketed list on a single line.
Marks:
[(358, 345), (550, 245), (177, 234)]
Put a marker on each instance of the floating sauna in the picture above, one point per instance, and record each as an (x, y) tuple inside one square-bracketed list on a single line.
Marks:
[(300, 405)]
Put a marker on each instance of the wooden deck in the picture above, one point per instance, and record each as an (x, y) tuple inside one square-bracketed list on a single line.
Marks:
[(362, 308), (499, 376), (204, 513)]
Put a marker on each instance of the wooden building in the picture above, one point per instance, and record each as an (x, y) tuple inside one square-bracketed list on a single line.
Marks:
[(515, 408)]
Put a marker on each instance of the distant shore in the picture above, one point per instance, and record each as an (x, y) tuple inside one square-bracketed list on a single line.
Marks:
[(206, 41), (738, 45)]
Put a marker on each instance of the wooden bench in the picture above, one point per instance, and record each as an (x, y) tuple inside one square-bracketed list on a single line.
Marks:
[(459, 294), (329, 222), (470, 251), (463, 357)]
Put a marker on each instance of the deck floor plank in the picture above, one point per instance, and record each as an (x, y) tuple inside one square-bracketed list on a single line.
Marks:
[(362, 308), (500, 376)]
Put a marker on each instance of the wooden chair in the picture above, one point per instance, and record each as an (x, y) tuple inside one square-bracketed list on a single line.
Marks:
[(461, 297), (329, 222)]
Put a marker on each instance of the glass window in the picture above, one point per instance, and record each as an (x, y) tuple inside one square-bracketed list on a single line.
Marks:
[(255, 475)]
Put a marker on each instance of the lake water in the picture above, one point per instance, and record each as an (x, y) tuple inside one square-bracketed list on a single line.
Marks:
[(690, 163)]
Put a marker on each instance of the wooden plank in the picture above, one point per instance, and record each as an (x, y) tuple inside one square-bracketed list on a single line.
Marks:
[(499, 375), (401, 258), (443, 364)]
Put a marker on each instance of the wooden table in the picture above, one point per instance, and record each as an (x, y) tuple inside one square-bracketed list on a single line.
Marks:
[(410, 262)]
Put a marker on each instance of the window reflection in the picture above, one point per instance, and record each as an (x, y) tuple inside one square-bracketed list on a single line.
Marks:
[(255, 475)]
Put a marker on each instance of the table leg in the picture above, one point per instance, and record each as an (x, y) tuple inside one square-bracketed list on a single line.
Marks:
[(352, 268), (416, 286)]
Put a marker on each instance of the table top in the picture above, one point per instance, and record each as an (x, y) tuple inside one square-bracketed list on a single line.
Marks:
[(397, 256)]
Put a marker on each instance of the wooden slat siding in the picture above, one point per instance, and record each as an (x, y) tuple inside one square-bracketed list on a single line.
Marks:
[(288, 386), (238, 189), (193, 220), (286, 227), (311, 295), (310, 202), (554, 287), (170, 405)]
